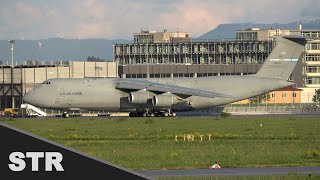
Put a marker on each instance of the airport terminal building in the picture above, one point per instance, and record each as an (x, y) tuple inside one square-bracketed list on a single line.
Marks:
[(184, 57)]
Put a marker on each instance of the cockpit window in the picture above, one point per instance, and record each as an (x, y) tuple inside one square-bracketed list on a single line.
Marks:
[(46, 82)]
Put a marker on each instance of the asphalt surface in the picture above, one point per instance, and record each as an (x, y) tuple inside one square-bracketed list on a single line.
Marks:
[(243, 114), (234, 171), (203, 115)]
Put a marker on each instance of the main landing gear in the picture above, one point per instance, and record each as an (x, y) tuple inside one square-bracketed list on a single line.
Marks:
[(146, 113), (65, 115)]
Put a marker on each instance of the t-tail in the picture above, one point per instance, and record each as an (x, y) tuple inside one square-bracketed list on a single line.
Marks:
[(283, 58)]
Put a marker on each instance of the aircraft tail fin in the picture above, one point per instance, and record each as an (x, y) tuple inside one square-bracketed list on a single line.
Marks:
[(283, 58)]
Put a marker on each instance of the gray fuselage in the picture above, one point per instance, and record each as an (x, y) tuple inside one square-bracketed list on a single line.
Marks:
[(102, 94)]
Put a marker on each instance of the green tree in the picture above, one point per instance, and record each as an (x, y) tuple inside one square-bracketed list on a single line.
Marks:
[(316, 96), (261, 98)]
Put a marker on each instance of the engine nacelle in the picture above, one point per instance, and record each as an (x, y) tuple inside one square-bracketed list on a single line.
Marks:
[(163, 100), (139, 97)]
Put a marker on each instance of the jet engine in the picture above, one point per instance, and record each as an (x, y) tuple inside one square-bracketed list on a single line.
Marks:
[(139, 97), (163, 100)]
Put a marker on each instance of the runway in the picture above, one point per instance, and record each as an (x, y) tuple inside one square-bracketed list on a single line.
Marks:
[(295, 114), (214, 115), (234, 171)]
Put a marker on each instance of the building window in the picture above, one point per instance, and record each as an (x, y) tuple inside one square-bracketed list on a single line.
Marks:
[(294, 94), (312, 69), (273, 95), (284, 95), (312, 57), (313, 80)]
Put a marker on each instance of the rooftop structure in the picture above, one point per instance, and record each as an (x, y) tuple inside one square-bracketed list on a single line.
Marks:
[(254, 34), (148, 37)]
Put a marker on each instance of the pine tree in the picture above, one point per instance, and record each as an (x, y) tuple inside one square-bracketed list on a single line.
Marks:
[(316, 96)]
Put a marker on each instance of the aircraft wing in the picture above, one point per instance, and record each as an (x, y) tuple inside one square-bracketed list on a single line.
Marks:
[(137, 84)]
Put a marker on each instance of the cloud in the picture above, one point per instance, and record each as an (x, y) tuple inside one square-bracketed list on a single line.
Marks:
[(312, 11), (34, 19)]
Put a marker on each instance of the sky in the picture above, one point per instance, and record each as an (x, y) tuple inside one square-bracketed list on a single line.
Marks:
[(119, 19)]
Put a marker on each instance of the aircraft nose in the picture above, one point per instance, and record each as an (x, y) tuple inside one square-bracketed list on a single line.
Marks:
[(35, 98), (28, 97)]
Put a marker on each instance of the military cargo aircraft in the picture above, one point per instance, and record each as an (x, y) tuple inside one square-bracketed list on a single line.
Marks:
[(166, 96)]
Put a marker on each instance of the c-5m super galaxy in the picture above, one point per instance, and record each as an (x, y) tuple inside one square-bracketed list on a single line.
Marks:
[(166, 96)]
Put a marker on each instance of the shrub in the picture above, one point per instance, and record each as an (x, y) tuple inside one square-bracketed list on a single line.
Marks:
[(310, 154), (225, 115)]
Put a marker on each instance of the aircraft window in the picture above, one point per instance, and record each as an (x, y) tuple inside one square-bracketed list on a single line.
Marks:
[(47, 82)]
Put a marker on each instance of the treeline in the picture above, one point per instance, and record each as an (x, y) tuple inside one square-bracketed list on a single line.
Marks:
[(95, 59)]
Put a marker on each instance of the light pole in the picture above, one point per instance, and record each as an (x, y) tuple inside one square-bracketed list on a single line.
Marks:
[(12, 42)]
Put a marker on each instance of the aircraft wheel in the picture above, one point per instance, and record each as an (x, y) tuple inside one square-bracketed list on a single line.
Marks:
[(144, 114), (165, 114), (174, 114), (152, 114), (65, 115), (130, 114)]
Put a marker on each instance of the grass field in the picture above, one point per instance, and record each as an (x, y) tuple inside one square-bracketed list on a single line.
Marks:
[(145, 143)]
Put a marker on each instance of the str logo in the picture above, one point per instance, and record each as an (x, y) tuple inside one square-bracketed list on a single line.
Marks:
[(52, 159)]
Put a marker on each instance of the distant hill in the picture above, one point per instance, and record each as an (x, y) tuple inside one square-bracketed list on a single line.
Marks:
[(227, 31), (58, 49), (55, 49)]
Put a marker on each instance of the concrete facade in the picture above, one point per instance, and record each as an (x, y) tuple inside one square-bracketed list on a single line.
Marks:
[(195, 52), (179, 70), (147, 37)]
